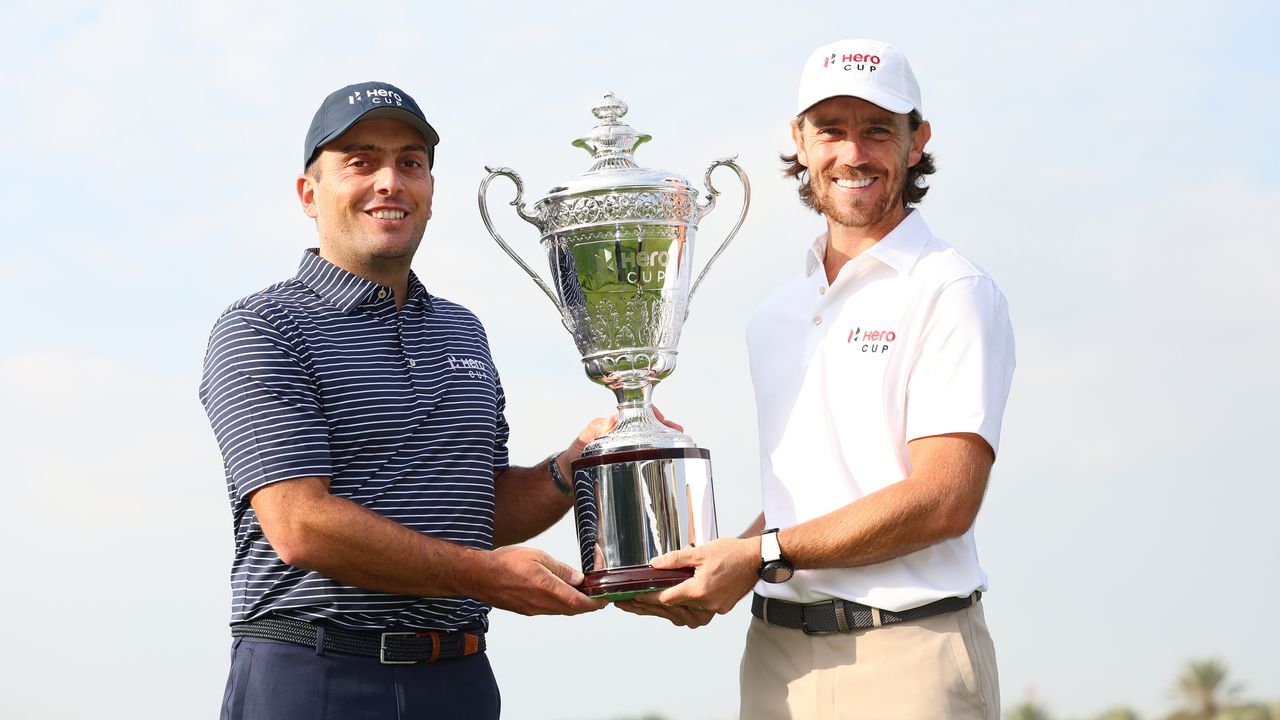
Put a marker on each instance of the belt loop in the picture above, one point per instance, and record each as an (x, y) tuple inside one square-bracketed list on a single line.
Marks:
[(875, 617), (435, 644), (842, 622), (319, 639), (765, 609)]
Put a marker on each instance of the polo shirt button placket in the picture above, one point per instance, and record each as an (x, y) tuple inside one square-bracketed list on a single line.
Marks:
[(817, 307), (816, 319), (398, 320), (409, 359)]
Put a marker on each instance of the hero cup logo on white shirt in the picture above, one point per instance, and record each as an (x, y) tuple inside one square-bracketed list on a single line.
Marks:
[(872, 341), (375, 96), (853, 61)]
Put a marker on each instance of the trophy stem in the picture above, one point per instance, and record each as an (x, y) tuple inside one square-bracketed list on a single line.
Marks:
[(634, 397), (635, 411), (637, 426)]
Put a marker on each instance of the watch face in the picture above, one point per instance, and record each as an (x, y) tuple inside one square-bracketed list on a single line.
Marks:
[(776, 572)]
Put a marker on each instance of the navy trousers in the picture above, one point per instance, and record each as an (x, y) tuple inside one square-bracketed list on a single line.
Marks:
[(272, 680)]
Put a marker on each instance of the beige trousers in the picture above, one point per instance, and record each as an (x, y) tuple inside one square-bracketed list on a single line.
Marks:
[(939, 667)]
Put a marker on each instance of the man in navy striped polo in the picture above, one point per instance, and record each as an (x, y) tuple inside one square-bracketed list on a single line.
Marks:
[(362, 432)]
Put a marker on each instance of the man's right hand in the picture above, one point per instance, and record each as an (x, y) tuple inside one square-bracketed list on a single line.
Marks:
[(530, 582), (679, 615)]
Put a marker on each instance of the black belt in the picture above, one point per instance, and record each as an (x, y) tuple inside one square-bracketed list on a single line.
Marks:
[(837, 615), (391, 648)]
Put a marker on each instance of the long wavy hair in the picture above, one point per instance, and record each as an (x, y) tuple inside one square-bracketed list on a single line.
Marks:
[(912, 193)]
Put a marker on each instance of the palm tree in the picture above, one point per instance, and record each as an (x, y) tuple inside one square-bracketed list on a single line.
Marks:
[(1252, 711), (1203, 685)]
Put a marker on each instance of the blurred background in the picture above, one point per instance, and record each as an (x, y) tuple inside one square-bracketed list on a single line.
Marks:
[(1113, 165)]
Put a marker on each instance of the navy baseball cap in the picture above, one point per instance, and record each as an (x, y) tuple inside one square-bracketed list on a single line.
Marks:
[(353, 103)]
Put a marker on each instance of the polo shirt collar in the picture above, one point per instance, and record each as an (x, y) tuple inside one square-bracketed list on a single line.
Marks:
[(418, 292), (899, 249), (347, 291), (817, 251)]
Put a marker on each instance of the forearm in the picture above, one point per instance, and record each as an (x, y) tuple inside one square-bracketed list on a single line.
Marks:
[(890, 523), (870, 530), (527, 502), (936, 502), (312, 529), (343, 540)]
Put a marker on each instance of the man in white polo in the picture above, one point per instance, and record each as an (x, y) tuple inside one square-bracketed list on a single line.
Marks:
[(881, 374)]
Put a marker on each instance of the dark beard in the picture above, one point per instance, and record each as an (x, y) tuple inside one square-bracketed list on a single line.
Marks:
[(858, 214)]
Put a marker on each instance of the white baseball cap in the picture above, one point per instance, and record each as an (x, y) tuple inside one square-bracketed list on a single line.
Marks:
[(869, 69)]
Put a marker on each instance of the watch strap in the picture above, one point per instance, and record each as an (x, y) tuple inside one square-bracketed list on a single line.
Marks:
[(770, 550)]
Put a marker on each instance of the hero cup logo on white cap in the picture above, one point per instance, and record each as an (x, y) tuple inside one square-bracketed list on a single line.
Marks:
[(869, 69), (376, 96), (853, 61)]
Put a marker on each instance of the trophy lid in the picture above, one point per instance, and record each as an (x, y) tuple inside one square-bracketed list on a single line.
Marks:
[(612, 145)]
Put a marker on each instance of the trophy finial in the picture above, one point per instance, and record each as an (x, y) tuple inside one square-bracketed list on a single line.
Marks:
[(609, 109), (611, 142)]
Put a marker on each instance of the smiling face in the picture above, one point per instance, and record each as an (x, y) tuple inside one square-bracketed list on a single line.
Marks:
[(370, 194), (857, 154)]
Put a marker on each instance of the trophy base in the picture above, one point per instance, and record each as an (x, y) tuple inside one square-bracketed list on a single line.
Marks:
[(631, 507), (625, 583)]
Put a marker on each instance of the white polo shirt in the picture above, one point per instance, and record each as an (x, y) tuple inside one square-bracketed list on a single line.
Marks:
[(911, 340)]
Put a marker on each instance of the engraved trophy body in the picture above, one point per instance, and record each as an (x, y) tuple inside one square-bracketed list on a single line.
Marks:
[(619, 241)]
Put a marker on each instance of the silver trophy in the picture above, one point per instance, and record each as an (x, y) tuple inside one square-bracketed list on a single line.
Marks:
[(619, 242)]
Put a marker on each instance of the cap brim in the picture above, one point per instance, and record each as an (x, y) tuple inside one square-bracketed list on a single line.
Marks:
[(395, 113), (892, 103), (391, 113)]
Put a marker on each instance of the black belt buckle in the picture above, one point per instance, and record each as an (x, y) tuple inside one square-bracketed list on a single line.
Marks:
[(836, 609)]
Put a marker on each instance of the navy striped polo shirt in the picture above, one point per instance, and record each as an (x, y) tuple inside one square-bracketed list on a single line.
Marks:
[(320, 375)]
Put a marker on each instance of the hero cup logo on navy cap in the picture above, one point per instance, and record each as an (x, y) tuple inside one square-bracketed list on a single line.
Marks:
[(353, 103)]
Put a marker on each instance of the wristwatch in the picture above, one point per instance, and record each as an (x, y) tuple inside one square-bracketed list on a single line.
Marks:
[(773, 567), (553, 469)]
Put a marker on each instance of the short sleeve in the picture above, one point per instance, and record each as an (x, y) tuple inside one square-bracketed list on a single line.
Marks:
[(263, 404), (960, 379), (502, 431)]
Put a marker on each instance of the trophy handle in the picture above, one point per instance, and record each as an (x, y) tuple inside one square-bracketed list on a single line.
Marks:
[(524, 215), (712, 192)]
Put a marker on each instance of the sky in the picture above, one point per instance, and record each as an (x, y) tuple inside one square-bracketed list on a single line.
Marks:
[(1112, 165)]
